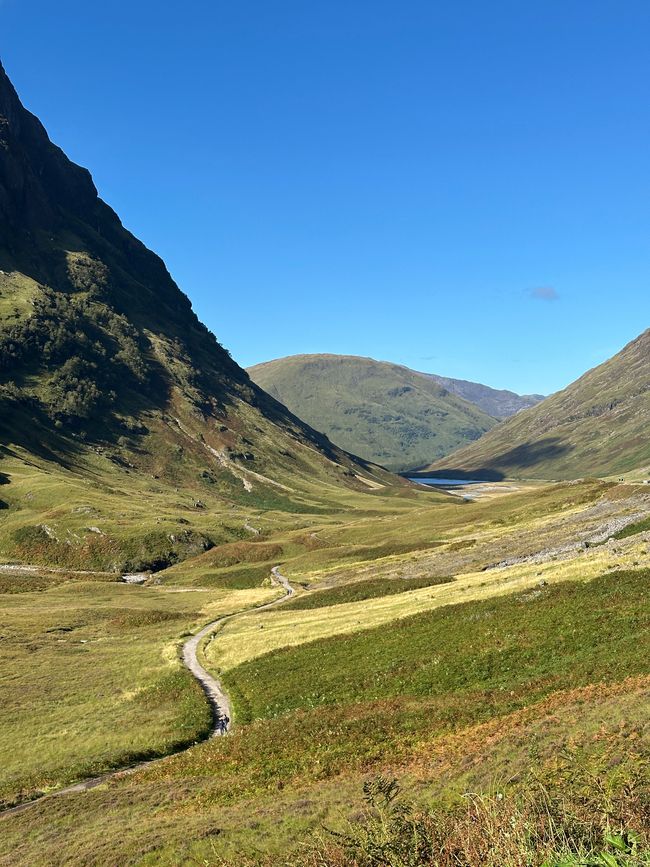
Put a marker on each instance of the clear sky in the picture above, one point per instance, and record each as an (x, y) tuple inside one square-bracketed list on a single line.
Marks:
[(461, 187)]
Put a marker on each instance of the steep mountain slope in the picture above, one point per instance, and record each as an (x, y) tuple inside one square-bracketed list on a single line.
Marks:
[(385, 412), (114, 398), (598, 426), (499, 403)]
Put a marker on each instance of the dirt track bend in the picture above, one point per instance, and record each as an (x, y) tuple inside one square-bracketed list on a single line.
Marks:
[(218, 699)]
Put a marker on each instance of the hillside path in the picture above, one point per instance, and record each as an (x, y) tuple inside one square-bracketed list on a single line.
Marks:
[(218, 699)]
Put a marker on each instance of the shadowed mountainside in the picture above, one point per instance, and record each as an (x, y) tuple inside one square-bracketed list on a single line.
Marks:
[(109, 382), (598, 426)]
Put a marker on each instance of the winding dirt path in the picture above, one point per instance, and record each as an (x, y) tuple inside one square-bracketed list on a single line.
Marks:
[(217, 698)]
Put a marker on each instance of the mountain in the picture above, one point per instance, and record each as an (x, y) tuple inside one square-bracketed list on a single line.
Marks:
[(385, 412), (499, 403), (598, 426), (128, 435)]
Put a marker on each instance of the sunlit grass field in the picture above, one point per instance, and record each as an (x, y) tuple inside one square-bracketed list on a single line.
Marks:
[(507, 648), (91, 678), (404, 651), (260, 633), (483, 694)]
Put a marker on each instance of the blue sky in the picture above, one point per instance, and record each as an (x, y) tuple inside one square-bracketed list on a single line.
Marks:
[(461, 187)]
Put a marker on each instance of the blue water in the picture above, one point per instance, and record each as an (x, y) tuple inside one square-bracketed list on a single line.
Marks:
[(447, 483)]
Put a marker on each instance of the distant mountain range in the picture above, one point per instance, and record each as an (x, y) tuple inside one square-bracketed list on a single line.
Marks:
[(385, 412), (499, 403), (598, 426)]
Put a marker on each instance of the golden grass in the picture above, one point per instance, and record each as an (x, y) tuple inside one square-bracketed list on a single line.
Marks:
[(253, 635), (92, 676)]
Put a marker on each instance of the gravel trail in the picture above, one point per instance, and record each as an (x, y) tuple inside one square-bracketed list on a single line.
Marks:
[(218, 699)]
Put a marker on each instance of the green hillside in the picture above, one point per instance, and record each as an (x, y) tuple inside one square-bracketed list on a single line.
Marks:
[(384, 412), (129, 438), (598, 426)]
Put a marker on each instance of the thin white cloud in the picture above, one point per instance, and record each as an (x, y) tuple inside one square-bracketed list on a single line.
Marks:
[(544, 293)]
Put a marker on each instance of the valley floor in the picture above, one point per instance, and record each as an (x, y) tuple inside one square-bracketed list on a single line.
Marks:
[(492, 646)]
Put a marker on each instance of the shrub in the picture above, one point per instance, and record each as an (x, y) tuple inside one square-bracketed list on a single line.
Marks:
[(542, 827), (90, 353)]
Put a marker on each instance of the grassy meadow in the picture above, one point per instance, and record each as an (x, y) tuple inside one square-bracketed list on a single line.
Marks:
[(91, 678), (94, 511), (449, 669), (494, 695)]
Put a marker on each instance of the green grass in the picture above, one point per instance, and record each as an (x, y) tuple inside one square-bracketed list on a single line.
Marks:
[(16, 294), (457, 699), (510, 648), (359, 591), (337, 706), (518, 525), (31, 582), (445, 519), (85, 729), (632, 529), (106, 731), (81, 510), (86, 725), (237, 577), (92, 679), (126, 630)]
